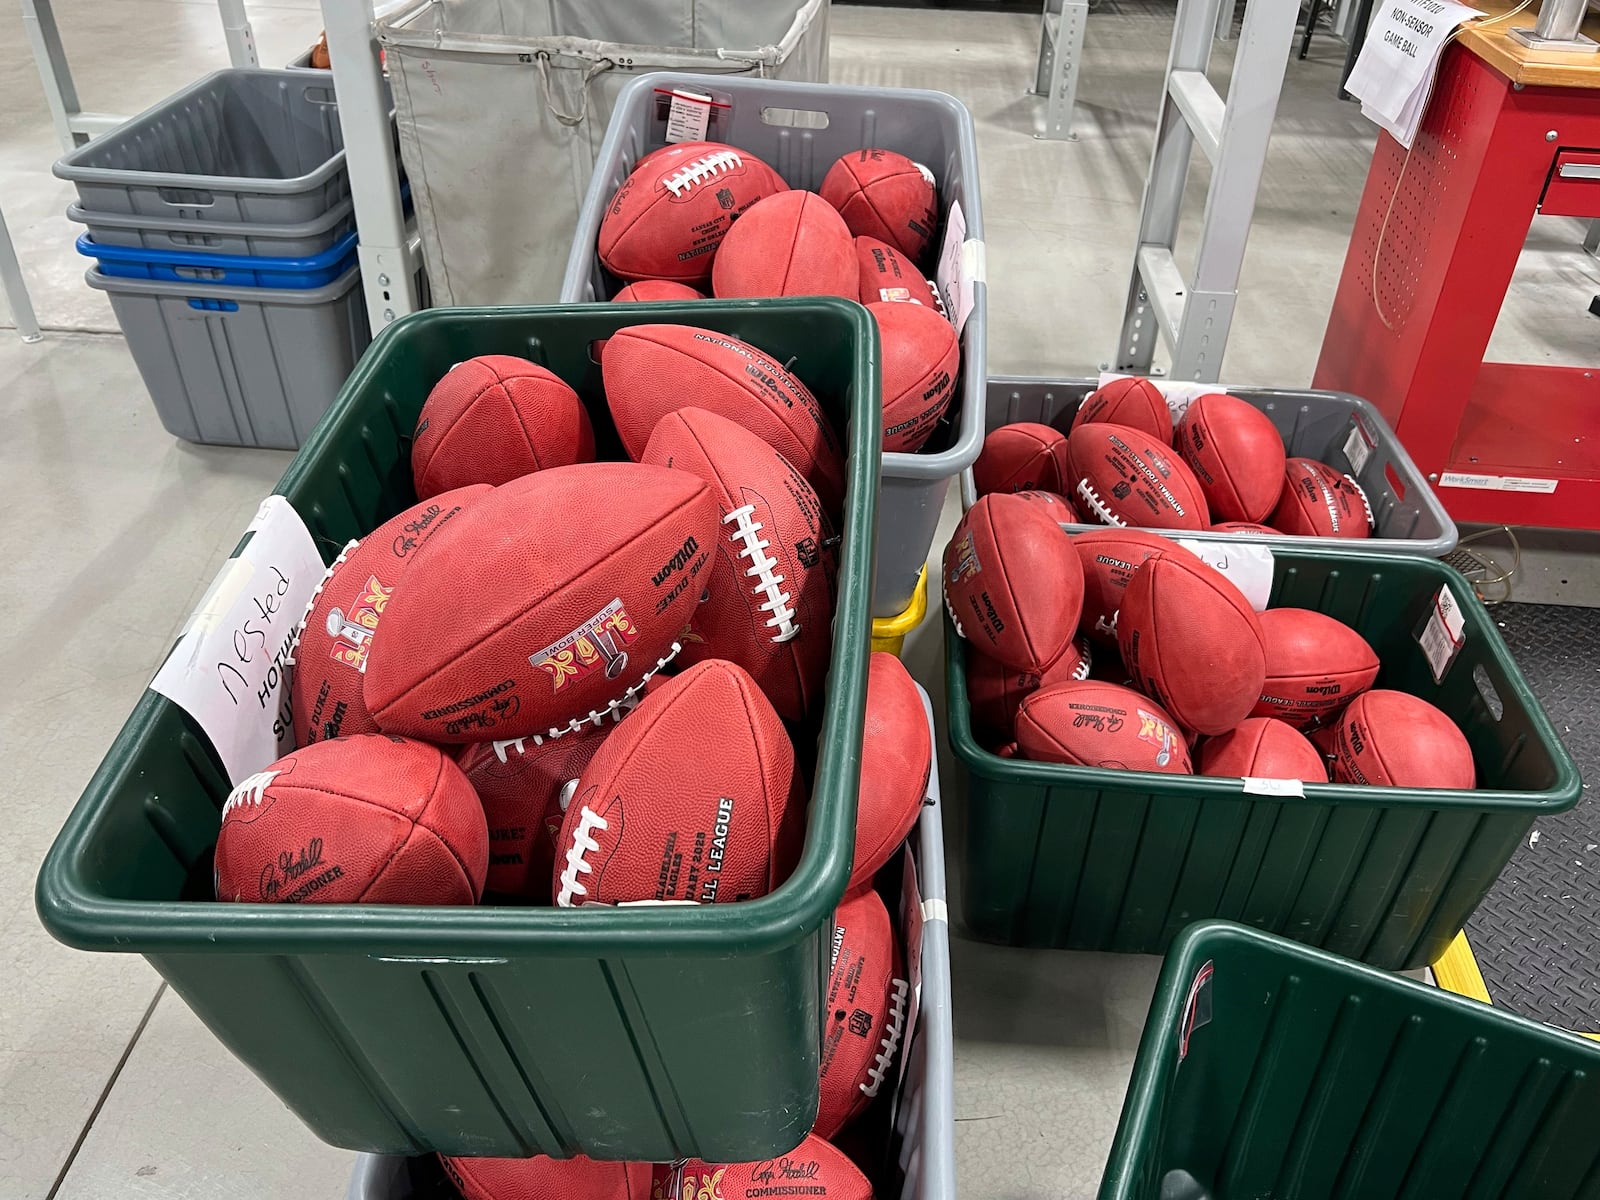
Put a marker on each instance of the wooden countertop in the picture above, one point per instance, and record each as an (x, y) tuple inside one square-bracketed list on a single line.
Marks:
[(1521, 64)]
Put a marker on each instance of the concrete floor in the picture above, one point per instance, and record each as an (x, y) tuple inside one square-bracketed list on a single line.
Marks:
[(109, 1087)]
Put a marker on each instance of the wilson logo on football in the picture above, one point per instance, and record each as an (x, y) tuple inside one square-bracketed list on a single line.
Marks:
[(596, 645), (1159, 734), (352, 631)]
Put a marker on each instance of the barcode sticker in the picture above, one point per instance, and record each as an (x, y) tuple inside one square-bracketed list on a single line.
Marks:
[(1443, 634), (1178, 393), (688, 114), (1357, 450)]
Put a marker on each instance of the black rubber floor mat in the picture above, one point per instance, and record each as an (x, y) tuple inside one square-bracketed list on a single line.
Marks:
[(1537, 934)]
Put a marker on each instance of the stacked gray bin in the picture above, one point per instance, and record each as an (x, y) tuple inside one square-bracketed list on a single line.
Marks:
[(800, 129), (242, 162), (924, 1102)]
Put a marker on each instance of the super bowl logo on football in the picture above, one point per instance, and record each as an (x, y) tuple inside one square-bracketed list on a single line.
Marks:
[(597, 644), (352, 632), (966, 560), (1159, 734)]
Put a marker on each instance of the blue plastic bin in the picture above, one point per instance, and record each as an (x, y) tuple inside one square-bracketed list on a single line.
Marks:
[(231, 270)]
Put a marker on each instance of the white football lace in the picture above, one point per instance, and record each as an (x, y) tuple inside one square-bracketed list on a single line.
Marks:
[(938, 298), (294, 638), (891, 1039), (616, 709), (1365, 503), (949, 606), (250, 791), (1109, 628), (700, 170), (746, 534), (1098, 506), (1086, 657), (583, 844)]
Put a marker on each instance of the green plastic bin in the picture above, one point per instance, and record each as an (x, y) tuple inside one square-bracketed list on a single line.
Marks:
[(1092, 859), (644, 1033), (1268, 1069)]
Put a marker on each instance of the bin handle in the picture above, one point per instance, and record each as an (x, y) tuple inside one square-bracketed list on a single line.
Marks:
[(566, 118)]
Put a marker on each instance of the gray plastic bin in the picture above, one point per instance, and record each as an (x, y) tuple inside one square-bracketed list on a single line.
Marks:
[(800, 129), (924, 1119), (1409, 518), (254, 146), (218, 237), (240, 366)]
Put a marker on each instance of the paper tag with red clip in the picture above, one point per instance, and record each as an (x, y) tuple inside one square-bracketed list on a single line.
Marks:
[(1196, 1009), (688, 115), (1443, 634)]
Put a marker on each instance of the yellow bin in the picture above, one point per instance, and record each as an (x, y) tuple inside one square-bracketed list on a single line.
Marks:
[(889, 633)]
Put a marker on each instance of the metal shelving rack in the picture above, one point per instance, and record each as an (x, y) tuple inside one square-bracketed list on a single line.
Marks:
[(1193, 315), (1061, 27)]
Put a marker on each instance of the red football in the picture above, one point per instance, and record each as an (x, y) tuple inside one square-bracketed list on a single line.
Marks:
[(545, 603), (1236, 453), (1059, 507), (920, 359), (1012, 582), (887, 275), (994, 690), (1244, 529), (1318, 501), (668, 218), (1192, 643), (1394, 739), (768, 602), (884, 195), (1136, 403), (1110, 557), (1123, 476), (520, 783), (656, 289), (1315, 666), (541, 1178), (896, 760), (649, 370), (814, 1169), (1263, 749), (1093, 724), (358, 820), (331, 644), (716, 827), (493, 419), (790, 244), (1021, 457), (866, 1011)]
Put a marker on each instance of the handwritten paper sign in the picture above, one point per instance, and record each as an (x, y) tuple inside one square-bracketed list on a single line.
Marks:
[(1394, 72), (227, 670), (1248, 566), (961, 265)]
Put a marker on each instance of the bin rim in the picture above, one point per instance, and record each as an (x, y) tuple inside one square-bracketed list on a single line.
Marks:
[(1564, 791), (71, 166), (967, 440), (73, 914)]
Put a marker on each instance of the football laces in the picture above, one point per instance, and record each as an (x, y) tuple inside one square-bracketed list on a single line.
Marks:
[(1099, 507), (700, 170), (768, 585)]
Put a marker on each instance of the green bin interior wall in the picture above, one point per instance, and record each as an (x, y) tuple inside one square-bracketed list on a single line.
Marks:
[(1317, 1078), (1093, 859), (646, 1034)]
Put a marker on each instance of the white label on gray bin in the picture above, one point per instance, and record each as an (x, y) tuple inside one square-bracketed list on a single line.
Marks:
[(1497, 483), (1357, 450), (688, 114), (229, 670), (1444, 634)]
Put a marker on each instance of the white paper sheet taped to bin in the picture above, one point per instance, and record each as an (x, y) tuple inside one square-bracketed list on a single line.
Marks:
[(1178, 393), (227, 670)]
